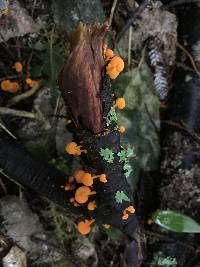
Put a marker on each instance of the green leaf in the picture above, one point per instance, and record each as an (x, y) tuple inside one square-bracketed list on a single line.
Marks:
[(175, 221), (120, 196)]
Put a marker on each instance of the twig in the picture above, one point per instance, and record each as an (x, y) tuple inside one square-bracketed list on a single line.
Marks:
[(167, 239), (183, 127), (6, 130), (129, 46), (3, 186), (23, 96), (187, 54), (112, 12), (190, 57), (130, 21), (18, 113)]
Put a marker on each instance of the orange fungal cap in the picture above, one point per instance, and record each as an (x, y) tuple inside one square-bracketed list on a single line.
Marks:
[(131, 209), (108, 53), (92, 205), (102, 178), (78, 174), (114, 67), (71, 148), (120, 103), (87, 179), (125, 216), (82, 194), (84, 227), (5, 85), (106, 226), (122, 129), (18, 66)]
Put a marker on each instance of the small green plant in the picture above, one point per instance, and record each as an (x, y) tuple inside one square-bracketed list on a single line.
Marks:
[(120, 196), (107, 154), (160, 259)]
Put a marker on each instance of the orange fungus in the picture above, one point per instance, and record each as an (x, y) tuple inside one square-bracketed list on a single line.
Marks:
[(108, 53), (84, 227), (122, 129), (92, 205), (102, 178), (114, 67), (11, 87), (18, 67), (106, 226), (82, 194), (120, 103)]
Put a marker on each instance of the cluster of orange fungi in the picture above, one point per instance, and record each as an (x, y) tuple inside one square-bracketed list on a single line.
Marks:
[(126, 212), (113, 68), (115, 65), (13, 86)]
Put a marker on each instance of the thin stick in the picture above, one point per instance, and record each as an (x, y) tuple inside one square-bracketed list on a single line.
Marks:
[(130, 21), (129, 46), (17, 113), (184, 127), (190, 57), (6, 130), (23, 96), (112, 12)]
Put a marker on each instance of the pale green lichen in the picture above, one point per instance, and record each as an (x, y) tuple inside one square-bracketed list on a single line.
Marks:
[(160, 259), (111, 117), (107, 154), (124, 156), (120, 196), (127, 169)]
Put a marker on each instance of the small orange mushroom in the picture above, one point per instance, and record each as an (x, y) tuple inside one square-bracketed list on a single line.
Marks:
[(18, 66), (129, 209), (150, 221), (73, 149), (84, 227), (11, 87), (102, 178), (114, 67), (108, 53), (122, 129), (91, 205), (125, 216), (106, 226), (78, 175), (120, 103), (82, 194), (87, 179), (31, 82)]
